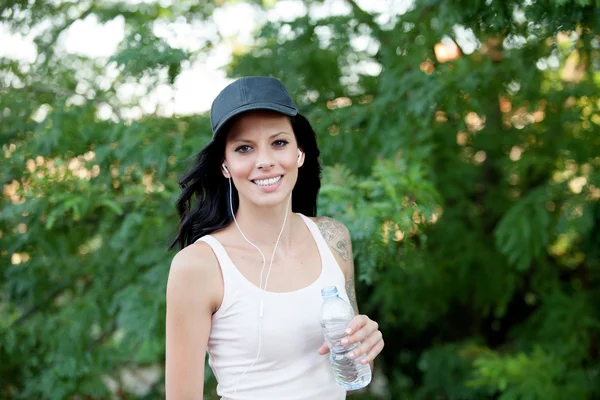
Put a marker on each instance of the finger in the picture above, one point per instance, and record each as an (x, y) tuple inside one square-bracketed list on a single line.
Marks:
[(324, 349), (366, 345), (374, 352), (356, 323), (360, 335)]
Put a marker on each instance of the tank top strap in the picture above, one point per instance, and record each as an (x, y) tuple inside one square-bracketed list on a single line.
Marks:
[(330, 263), (228, 272), (227, 268)]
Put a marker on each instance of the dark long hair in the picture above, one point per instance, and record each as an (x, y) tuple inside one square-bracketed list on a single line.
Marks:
[(203, 204)]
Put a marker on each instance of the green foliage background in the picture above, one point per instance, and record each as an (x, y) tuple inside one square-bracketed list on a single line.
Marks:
[(471, 188)]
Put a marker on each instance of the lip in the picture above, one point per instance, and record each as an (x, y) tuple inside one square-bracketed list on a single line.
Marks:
[(266, 177), (272, 188)]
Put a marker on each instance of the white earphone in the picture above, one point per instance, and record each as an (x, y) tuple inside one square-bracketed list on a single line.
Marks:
[(299, 156), (264, 264)]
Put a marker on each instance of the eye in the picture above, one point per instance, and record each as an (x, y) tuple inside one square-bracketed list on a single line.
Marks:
[(280, 143), (243, 149)]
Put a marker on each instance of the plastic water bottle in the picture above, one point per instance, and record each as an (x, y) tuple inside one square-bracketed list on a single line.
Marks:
[(336, 314)]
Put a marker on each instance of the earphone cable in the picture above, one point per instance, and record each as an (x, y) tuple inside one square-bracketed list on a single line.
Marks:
[(261, 274)]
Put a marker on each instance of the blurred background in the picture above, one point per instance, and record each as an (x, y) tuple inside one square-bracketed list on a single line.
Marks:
[(461, 147)]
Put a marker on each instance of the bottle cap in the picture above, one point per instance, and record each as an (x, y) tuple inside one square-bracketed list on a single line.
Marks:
[(329, 291)]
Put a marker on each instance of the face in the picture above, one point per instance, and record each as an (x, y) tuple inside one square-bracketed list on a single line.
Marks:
[(261, 154)]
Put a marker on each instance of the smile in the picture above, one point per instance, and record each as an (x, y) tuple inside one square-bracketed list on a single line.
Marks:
[(267, 182)]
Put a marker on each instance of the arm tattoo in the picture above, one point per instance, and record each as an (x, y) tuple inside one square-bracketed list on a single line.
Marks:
[(338, 238), (352, 294)]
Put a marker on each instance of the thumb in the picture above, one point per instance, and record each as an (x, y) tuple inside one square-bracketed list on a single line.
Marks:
[(324, 349)]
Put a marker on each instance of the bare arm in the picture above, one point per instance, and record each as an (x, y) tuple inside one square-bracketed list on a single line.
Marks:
[(191, 296), (337, 237)]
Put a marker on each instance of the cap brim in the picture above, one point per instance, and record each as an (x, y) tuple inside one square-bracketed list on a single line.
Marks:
[(290, 112)]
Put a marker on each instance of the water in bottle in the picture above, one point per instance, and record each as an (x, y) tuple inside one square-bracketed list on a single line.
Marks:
[(336, 314)]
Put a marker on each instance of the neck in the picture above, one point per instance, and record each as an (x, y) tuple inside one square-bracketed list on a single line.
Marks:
[(262, 225)]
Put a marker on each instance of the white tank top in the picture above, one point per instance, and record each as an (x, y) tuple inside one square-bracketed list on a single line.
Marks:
[(288, 366)]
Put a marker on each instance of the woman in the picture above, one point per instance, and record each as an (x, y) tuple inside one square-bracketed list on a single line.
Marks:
[(245, 286)]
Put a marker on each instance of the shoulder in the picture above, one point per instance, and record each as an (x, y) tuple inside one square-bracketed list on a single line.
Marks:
[(195, 260), (337, 236), (332, 229), (195, 277)]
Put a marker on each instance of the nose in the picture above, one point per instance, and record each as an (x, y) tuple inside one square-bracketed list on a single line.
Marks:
[(264, 164), (264, 161)]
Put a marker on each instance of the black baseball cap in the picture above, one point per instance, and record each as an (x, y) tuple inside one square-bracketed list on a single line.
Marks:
[(250, 93)]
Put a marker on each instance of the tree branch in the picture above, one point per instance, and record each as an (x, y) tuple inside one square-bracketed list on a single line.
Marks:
[(367, 18), (57, 292), (65, 92), (100, 340), (46, 47)]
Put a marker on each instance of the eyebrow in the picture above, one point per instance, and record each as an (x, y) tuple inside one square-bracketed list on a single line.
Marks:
[(270, 137)]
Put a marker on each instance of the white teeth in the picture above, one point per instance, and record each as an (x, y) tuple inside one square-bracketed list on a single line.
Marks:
[(267, 182)]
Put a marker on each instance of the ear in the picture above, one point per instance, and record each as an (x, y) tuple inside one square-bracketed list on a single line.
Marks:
[(225, 171), (301, 157)]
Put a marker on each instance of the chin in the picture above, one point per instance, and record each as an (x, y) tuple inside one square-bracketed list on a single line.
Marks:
[(268, 199), (271, 200)]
